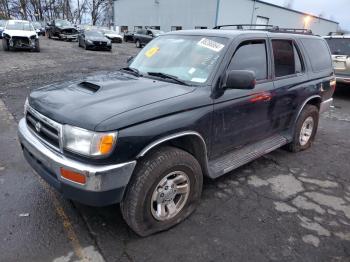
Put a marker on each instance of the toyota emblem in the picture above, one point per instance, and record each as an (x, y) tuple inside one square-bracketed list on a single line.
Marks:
[(38, 127)]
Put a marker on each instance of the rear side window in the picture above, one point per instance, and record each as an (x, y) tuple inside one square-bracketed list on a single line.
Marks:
[(318, 53), (286, 58), (252, 56)]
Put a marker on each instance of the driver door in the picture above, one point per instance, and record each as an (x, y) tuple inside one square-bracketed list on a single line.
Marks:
[(241, 117)]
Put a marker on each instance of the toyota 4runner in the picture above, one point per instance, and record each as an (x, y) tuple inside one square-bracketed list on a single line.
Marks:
[(340, 48), (190, 104)]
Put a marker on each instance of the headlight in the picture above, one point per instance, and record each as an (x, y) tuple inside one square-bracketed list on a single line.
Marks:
[(88, 143), (89, 41)]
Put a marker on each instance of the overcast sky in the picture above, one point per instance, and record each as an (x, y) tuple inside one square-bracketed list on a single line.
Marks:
[(338, 10)]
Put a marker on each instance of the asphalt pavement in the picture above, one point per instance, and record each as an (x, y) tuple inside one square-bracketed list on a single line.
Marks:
[(281, 207)]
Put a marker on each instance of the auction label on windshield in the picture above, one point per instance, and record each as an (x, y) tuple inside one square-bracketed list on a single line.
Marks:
[(212, 45), (151, 52)]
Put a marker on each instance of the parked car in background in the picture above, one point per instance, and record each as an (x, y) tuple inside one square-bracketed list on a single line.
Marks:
[(95, 40), (129, 37), (144, 36), (62, 29), (2, 26), (113, 36), (39, 28), (189, 105), (20, 34), (340, 48)]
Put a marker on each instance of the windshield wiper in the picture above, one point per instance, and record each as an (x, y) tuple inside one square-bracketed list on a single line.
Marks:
[(132, 70), (167, 76)]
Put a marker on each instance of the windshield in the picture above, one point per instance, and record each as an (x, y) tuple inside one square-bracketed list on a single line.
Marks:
[(26, 26), (189, 58), (339, 46), (94, 33), (61, 23), (37, 25)]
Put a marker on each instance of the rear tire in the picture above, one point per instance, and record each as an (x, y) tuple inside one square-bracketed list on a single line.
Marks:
[(305, 129), (180, 171)]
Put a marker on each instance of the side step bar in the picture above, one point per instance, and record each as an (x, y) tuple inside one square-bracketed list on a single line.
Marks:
[(242, 156)]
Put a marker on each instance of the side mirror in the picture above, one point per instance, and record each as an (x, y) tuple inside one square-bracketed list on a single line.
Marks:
[(240, 79), (130, 59)]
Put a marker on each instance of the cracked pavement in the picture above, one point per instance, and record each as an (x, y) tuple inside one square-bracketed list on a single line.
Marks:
[(281, 207)]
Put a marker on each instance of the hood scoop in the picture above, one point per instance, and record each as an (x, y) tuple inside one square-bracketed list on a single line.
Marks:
[(93, 88)]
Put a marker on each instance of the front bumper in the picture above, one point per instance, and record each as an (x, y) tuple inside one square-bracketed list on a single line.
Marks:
[(105, 185), (68, 37)]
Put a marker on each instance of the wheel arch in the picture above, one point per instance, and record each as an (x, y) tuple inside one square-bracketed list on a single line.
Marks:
[(189, 141), (315, 100)]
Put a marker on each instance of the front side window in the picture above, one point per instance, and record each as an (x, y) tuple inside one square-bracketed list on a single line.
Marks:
[(286, 58), (189, 58), (251, 55)]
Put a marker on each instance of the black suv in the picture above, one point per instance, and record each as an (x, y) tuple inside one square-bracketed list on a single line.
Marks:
[(144, 36), (191, 104), (62, 29)]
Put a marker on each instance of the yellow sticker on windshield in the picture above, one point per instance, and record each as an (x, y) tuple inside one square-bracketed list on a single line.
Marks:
[(151, 52)]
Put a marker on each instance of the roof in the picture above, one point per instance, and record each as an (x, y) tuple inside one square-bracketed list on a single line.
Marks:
[(337, 36), (230, 33), (295, 11)]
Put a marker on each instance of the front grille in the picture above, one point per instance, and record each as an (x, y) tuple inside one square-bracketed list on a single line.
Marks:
[(45, 130), (100, 43)]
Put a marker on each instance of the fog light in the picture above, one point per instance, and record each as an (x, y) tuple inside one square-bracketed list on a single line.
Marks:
[(73, 176)]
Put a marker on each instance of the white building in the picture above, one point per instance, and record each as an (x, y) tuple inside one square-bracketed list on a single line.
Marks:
[(190, 14)]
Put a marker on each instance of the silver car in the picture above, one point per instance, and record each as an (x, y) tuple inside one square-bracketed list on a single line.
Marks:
[(340, 48)]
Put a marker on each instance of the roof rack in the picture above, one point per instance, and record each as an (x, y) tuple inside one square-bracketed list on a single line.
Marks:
[(336, 33), (269, 28)]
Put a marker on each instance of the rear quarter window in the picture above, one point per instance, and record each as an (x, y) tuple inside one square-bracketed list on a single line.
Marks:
[(318, 53)]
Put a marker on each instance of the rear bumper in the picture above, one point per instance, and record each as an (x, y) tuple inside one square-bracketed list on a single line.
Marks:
[(105, 185), (325, 105), (343, 79)]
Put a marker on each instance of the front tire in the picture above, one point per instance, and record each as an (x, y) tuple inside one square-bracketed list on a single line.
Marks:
[(138, 44), (164, 190), (37, 46), (305, 129), (5, 45)]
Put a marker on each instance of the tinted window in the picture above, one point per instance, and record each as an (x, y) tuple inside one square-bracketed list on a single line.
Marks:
[(318, 53), (283, 52), (339, 46), (251, 56)]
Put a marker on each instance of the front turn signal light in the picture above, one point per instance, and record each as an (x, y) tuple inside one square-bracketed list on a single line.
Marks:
[(73, 176), (106, 144)]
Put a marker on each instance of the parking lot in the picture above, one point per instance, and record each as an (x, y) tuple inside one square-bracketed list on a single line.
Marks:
[(281, 207)]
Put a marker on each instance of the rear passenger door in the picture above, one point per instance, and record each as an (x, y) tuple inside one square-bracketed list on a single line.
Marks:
[(290, 80), (241, 116)]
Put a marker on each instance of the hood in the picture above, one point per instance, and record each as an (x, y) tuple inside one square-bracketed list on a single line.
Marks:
[(66, 27), (88, 103), (20, 33), (97, 38), (112, 35)]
